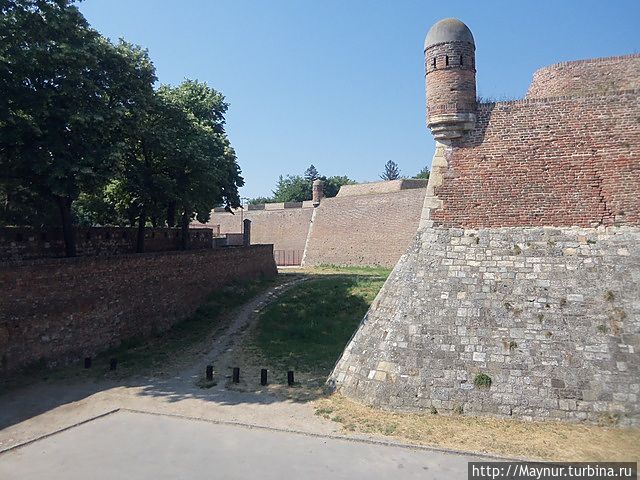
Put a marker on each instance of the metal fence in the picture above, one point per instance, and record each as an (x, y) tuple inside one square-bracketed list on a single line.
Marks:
[(287, 258)]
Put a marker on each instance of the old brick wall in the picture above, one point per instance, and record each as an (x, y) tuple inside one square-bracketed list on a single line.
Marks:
[(22, 243), (550, 315), (65, 309), (364, 229), (559, 161), (598, 76), (285, 228)]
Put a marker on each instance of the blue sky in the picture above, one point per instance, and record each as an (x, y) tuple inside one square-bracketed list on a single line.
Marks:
[(340, 84)]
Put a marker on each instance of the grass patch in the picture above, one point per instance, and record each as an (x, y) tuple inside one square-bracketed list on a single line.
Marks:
[(555, 441), (354, 270), (307, 328)]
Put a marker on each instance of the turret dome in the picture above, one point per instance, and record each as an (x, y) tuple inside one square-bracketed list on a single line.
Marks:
[(448, 30)]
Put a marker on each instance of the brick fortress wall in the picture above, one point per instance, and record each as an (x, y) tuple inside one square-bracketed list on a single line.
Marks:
[(25, 243), (373, 229), (64, 309), (285, 228), (596, 76), (558, 161)]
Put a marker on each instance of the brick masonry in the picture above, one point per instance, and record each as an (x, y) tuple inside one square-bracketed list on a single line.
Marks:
[(596, 76), (23, 243), (560, 161), (552, 316), (285, 228), (364, 229), (60, 310)]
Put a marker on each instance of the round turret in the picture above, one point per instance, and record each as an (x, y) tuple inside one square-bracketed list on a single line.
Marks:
[(450, 66), (317, 192)]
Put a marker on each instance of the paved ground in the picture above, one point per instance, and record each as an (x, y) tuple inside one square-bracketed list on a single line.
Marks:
[(143, 446)]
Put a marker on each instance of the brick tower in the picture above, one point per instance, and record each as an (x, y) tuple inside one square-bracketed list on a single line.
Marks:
[(450, 77), (450, 67)]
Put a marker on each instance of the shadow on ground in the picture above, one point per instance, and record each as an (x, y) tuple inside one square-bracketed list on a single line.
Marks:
[(171, 370)]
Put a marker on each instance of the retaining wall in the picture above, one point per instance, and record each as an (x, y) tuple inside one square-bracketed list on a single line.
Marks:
[(60, 310)]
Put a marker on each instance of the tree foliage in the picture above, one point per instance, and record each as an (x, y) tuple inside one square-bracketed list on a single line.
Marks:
[(391, 171), (82, 129), (297, 188), (423, 174)]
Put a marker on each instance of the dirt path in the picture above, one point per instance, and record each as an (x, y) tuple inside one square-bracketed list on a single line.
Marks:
[(41, 409)]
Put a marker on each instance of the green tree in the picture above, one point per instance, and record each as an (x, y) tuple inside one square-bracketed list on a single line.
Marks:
[(259, 200), (311, 173), (68, 98), (292, 188), (202, 165), (332, 184), (391, 171), (423, 174)]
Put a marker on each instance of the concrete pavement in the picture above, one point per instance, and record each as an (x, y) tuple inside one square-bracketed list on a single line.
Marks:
[(133, 445)]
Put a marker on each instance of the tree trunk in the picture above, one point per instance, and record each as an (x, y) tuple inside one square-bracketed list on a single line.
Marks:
[(171, 215), (140, 237), (185, 230), (68, 232)]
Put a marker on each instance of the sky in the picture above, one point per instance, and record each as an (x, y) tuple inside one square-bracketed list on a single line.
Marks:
[(340, 83)]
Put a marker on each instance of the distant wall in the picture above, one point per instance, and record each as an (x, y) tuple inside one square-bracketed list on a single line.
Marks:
[(64, 309), (283, 225), (27, 243), (380, 187), (364, 229), (596, 76), (555, 162)]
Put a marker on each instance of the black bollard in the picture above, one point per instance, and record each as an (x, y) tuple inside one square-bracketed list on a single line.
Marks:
[(290, 377), (87, 362), (263, 376), (113, 364), (209, 372), (236, 375)]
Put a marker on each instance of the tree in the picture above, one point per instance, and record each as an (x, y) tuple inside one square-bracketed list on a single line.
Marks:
[(202, 165), (292, 188), (423, 174), (311, 173), (391, 171), (68, 96), (259, 200), (332, 184)]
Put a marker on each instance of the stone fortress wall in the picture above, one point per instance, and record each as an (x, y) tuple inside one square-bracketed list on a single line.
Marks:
[(365, 224), (526, 267)]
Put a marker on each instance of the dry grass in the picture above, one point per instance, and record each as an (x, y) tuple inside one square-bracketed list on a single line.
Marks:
[(510, 438)]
